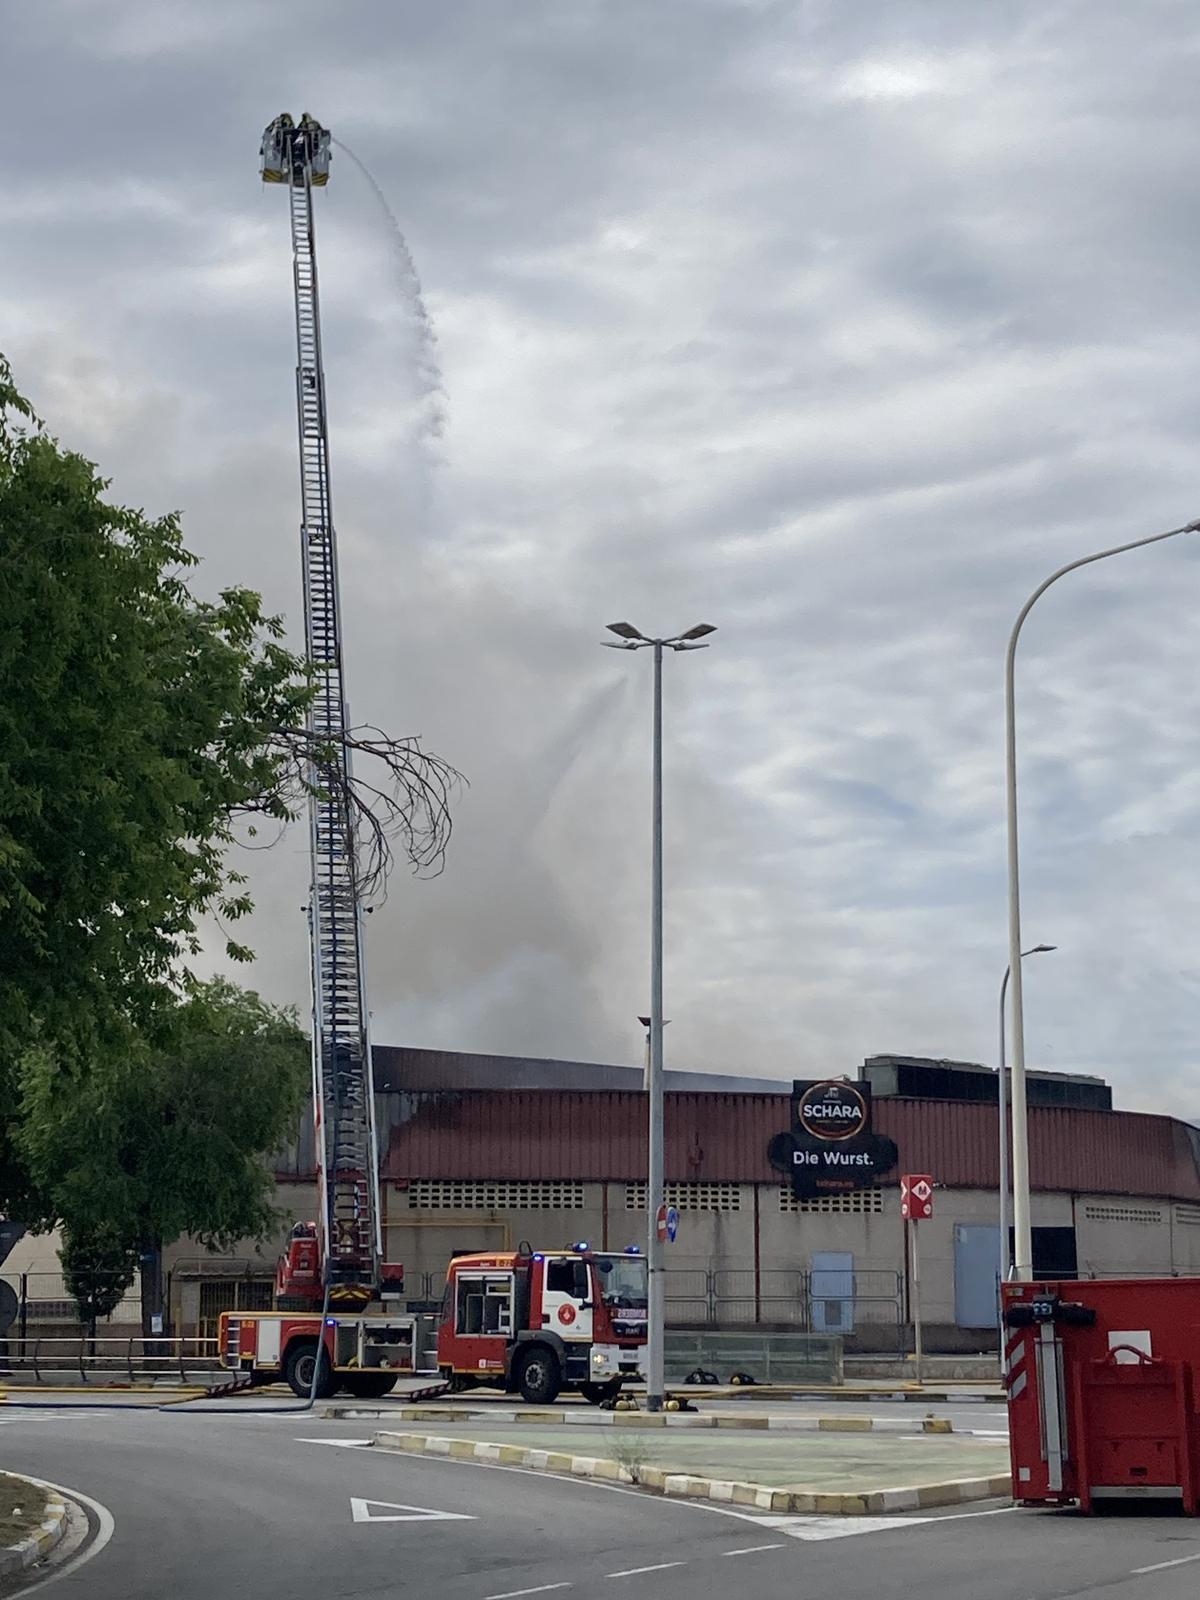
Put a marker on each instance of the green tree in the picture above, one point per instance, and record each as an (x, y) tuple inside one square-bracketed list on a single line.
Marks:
[(138, 723), (173, 1139), (97, 1269)]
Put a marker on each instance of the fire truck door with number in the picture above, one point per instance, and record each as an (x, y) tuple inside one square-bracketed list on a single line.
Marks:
[(566, 1298)]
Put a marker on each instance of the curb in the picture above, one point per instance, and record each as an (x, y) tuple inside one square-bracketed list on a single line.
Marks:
[(36, 1546), (942, 1394), (644, 1419), (684, 1486)]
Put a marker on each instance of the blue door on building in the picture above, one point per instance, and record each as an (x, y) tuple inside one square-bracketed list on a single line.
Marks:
[(832, 1291), (976, 1274)]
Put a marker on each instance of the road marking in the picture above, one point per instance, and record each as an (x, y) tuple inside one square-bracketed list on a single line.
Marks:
[(818, 1527), (342, 1444), (636, 1572), (361, 1511), (812, 1528), (76, 1414), (1161, 1566), (512, 1594), (105, 1527), (751, 1550)]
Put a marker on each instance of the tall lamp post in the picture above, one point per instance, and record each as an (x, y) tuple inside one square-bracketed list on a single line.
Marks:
[(1023, 1232), (1005, 1253), (632, 638)]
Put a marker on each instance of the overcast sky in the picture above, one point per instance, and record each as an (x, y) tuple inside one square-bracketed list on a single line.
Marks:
[(838, 326)]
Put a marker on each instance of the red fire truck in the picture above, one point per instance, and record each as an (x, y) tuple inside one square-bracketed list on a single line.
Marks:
[(531, 1322), (536, 1322), (363, 1355)]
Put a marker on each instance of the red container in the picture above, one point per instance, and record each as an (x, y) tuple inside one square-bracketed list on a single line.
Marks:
[(1103, 1380)]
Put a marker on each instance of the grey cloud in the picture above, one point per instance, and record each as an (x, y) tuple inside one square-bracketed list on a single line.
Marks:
[(836, 326)]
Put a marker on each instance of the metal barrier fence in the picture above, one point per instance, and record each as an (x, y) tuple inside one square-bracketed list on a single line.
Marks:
[(817, 1301), (43, 1300), (231, 1294), (765, 1357), (106, 1359)]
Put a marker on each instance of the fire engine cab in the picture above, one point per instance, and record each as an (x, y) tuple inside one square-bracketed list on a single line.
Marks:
[(536, 1322)]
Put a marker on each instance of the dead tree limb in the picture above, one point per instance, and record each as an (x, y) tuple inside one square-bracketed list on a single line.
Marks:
[(405, 800)]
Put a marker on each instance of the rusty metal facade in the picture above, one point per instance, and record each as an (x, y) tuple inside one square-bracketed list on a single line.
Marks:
[(597, 1135)]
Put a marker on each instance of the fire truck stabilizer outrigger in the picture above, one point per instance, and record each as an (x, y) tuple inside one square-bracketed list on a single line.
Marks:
[(534, 1322)]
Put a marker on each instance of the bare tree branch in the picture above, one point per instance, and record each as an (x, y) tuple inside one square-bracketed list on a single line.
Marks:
[(409, 802)]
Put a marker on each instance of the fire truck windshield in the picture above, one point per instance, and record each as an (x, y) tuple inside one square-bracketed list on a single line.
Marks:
[(623, 1280)]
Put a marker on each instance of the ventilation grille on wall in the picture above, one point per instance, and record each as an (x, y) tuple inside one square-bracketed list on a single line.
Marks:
[(699, 1196), (858, 1203), (1110, 1213), (1189, 1215), (447, 1194)]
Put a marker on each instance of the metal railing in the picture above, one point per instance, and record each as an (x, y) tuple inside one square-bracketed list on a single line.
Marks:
[(106, 1357), (44, 1301), (833, 1303), (786, 1358)]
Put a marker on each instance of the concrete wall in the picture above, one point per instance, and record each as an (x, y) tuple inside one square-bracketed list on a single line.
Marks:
[(712, 1266)]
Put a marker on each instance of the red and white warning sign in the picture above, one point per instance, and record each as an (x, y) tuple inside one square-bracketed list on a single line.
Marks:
[(916, 1196)]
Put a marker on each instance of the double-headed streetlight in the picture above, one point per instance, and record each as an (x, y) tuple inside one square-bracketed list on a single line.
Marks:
[(1005, 1251), (632, 638), (1022, 1229)]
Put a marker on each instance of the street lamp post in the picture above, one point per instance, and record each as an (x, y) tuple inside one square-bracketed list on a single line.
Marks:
[(1022, 1229), (633, 639), (1005, 1254)]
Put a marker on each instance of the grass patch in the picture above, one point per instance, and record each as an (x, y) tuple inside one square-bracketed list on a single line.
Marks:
[(22, 1508)]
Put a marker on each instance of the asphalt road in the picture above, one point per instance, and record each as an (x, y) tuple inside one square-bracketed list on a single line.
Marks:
[(220, 1507)]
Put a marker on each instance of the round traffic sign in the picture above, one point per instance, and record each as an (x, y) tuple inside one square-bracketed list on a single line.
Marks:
[(672, 1223), (660, 1222)]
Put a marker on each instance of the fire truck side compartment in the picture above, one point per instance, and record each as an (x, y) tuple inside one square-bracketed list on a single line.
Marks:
[(1103, 1379)]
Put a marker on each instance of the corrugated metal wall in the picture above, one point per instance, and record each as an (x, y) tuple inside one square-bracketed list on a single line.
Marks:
[(597, 1135)]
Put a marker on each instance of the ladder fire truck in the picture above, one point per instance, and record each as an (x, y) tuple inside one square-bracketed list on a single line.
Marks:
[(334, 1265), (534, 1322)]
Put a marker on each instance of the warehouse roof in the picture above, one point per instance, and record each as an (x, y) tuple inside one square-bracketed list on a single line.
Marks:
[(405, 1067), (444, 1114), (600, 1135)]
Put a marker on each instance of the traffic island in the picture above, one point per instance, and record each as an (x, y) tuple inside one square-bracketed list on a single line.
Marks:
[(815, 1472), (33, 1519)]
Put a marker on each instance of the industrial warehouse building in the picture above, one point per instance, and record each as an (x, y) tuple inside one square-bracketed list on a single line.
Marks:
[(483, 1152)]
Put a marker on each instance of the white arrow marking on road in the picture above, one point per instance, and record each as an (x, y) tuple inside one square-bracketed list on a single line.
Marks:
[(393, 1512)]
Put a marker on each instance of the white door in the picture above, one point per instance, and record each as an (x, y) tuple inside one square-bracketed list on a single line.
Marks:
[(566, 1298)]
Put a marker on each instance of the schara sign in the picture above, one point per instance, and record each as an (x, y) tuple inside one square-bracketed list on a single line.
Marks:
[(830, 1148)]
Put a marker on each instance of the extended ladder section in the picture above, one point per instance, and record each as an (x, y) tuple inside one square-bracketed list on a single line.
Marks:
[(343, 1100)]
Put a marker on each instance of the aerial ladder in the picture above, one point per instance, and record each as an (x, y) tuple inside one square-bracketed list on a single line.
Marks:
[(348, 1251), (326, 1331)]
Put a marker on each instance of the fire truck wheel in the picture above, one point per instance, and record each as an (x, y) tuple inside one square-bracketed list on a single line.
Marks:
[(538, 1376), (597, 1393), (369, 1385), (299, 1371)]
